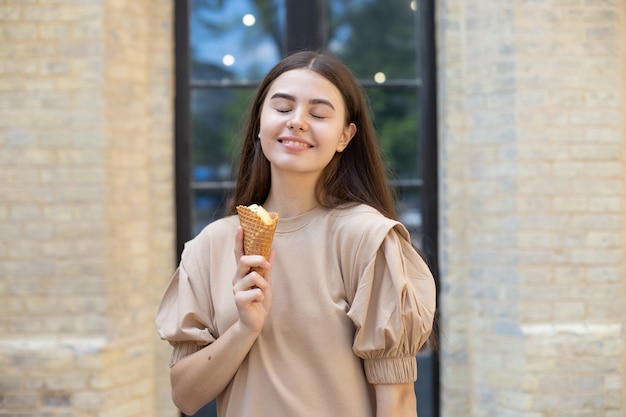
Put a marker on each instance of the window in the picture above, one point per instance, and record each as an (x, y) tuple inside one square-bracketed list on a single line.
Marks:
[(224, 48)]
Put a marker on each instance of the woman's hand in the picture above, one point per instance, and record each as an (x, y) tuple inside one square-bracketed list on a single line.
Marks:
[(253, 292)]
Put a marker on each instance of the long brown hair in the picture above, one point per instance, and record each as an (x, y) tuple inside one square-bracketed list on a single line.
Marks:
[(356, 175)]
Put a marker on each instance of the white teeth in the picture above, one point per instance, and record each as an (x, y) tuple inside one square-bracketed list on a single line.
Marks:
[(294, 143)]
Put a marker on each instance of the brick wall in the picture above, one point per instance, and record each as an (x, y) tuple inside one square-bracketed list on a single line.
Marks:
[(533, 202), (86, 206)]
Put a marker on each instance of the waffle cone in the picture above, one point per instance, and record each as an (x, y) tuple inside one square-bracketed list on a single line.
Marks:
[(257, 235)]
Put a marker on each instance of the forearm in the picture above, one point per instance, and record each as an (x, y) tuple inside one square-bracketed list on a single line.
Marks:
[(395, 400), (200, 377)]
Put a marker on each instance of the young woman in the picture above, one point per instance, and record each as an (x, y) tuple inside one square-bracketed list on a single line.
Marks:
[(345, 303)]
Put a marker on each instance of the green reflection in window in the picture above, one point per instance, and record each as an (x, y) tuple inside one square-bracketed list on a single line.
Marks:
[(375, 36), (218, 124), (395, 117)]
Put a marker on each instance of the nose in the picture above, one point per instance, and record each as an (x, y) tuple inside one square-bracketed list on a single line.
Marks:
[(297, 120)]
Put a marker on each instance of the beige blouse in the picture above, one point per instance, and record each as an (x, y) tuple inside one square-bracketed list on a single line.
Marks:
[(352, 304)]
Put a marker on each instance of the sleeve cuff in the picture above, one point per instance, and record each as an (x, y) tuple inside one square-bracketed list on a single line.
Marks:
[(391, 370)]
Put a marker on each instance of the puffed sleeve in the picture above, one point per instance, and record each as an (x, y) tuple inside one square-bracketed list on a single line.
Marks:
[(393, 309), (184, 317)]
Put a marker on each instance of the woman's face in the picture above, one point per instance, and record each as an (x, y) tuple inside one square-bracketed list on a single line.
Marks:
[(303, 123)]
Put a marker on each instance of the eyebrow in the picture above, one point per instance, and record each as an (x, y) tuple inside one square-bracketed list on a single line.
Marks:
[(312, 101)]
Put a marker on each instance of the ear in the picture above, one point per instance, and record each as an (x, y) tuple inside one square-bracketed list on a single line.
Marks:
[(346, 136)]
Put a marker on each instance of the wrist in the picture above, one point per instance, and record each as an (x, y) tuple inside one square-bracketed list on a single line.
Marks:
[(246, 332)]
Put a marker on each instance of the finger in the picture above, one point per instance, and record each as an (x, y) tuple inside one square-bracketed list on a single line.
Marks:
[(249, 296), (245, 265), (251, 280), (248, 262), (258, 281), (252, 293)]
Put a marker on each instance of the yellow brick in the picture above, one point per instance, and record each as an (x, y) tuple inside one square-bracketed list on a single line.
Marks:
[(81, 12), (41, 13), (9, 13), (18, 31), (87, 401), (570, 204), (606, 204)]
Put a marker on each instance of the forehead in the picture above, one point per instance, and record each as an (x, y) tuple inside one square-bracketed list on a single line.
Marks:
[(303, 83)]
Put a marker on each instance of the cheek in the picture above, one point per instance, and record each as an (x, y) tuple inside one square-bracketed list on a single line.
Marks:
[(266, 126)]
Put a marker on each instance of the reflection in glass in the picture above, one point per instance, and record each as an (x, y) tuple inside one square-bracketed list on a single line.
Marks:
[(235, 39), (375, 37), (218, 117), (409, 201), (395, 117), (424, 387), (208, 206)]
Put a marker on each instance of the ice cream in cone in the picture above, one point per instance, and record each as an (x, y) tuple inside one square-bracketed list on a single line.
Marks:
[(258, 230)]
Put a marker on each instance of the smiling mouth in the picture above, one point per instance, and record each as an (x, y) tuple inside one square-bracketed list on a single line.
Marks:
[(295, 143)]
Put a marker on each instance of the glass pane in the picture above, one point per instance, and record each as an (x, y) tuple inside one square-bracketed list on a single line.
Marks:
[(235, 39), (208, 206), (424, 391), (217, 125), (395, 117), (408, 205), (375, 37), (217, 129)]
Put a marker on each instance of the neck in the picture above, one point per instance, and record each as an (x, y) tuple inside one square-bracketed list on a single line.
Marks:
[(291, 195)]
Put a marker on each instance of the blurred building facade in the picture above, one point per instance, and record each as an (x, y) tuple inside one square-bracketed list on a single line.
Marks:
[(532, 200), (532, 150), (86, 206)]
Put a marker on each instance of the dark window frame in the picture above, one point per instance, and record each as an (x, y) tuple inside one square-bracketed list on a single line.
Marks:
[(303, 35)]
